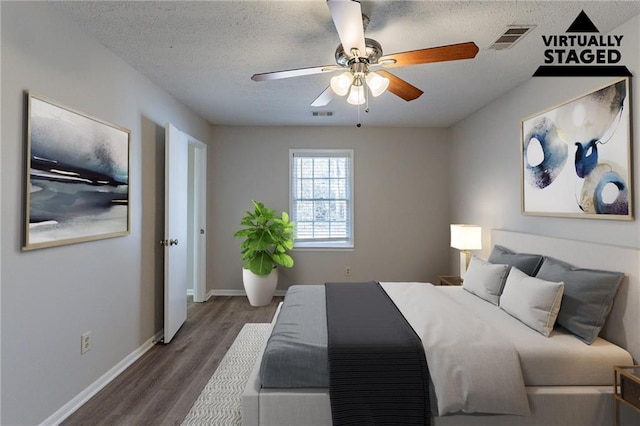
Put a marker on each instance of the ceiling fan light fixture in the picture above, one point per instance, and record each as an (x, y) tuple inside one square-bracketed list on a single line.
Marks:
[(340, 83), (357, 54), (356, 95), (377, 83)]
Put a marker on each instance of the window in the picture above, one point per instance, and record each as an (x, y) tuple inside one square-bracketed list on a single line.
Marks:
[(321, 197)]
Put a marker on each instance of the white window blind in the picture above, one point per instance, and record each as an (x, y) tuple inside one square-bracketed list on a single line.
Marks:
[(321, 200)]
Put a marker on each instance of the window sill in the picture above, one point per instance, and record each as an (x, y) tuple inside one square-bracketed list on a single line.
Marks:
[(311, 246)]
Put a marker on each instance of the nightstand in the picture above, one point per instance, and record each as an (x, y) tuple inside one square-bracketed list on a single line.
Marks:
[(626, 380), (449, 280)]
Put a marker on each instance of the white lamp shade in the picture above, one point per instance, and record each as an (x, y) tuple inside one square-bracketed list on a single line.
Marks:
[(466, 237), (377, 83), (356, 95), (340, 83)]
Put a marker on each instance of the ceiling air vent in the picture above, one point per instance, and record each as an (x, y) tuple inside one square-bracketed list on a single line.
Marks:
[(510, 36), (322, 113)]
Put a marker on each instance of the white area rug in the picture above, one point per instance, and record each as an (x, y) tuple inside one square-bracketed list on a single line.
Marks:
[(220, 400)]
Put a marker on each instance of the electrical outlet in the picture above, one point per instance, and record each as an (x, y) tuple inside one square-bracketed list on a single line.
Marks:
[(347, 271), (85, 343)]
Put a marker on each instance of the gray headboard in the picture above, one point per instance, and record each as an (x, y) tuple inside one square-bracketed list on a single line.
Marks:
[(623, 324)]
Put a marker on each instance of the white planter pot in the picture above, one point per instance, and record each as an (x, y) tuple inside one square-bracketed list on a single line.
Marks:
[(260, 288)]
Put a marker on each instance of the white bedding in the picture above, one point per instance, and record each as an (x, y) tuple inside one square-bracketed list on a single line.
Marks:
[(561, 358), (472, 367), (558, 360), (480, 358)]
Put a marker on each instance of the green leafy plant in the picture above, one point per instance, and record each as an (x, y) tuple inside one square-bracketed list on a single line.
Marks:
[(267, 238)]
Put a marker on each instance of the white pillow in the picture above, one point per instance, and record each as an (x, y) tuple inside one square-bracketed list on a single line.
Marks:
[(533, 301), (485, 279)]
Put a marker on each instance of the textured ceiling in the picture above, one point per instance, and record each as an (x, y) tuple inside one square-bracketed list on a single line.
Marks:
[(204, 53)]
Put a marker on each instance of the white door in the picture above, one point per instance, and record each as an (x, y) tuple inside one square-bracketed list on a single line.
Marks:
[(175, 231)]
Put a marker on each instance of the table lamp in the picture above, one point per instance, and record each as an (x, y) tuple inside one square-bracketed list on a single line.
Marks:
[(465, 238)]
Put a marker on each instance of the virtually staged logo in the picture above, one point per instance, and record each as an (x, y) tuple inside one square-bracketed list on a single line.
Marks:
[(581, 53)]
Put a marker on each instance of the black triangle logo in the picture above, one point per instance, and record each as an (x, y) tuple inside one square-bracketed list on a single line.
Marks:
[(582, 24)]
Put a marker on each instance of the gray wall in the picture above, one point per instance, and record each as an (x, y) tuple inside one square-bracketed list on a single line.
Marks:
[(409, 185), (401, 220), (112, 287), (485, 158)]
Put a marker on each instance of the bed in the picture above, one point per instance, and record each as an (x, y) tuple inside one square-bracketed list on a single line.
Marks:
[(568, 384)]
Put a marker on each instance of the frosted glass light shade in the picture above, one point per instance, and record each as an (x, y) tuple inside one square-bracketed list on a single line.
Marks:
[(377, 83), (340, 83), (356, 95), (466, 237)]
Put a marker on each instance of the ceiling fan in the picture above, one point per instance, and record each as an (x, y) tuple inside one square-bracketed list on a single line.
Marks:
[(357, 55)]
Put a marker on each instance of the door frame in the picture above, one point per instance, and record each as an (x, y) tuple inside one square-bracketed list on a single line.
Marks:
[(198, 217)]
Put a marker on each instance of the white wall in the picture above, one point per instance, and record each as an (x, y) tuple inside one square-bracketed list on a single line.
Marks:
[(112, 287), (485, 158), (401, 220)]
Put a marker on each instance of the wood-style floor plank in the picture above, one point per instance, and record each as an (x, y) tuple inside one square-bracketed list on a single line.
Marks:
[(161, 386)]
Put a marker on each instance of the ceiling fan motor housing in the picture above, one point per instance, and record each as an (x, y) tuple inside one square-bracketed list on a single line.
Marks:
[(371, 56)]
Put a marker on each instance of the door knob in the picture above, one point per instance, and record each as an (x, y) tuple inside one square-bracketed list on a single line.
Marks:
[(173, 242)]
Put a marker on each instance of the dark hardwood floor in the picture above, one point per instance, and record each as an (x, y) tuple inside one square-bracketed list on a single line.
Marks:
[(161, 386)]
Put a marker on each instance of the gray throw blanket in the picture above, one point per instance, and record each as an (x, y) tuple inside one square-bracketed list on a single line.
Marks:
[(378, 373)]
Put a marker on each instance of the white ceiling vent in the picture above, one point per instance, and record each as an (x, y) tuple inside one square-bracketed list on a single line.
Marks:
[(510, 36), (322, 113)]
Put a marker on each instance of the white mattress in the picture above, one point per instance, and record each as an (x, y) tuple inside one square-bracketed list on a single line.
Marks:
[(558, 360)]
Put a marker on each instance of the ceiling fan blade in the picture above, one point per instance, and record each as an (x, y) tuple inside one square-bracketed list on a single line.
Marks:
[(401, 88), (324, 98), (298, 72), (347, 17), (451, 52)]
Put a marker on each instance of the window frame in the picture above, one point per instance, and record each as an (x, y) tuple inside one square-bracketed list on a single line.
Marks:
[(342, 244)]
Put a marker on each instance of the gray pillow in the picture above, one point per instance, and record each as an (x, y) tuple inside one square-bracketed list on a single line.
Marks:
[(587, 299), (485, 279), (533, 301), (527, 263)]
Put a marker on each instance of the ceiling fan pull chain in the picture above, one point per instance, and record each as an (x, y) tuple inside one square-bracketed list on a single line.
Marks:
[(366, 94)]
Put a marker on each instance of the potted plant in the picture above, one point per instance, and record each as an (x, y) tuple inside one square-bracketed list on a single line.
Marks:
[(267, 239)]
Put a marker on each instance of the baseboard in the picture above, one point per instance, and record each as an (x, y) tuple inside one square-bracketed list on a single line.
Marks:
[(223, 292), (70, 407)]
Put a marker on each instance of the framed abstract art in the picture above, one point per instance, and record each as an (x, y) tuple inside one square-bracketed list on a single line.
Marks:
[(576, 157), (77, 180)]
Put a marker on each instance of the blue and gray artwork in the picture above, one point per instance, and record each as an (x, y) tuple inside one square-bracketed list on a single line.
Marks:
[(552, 151), (586, 125), (79, 183)]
